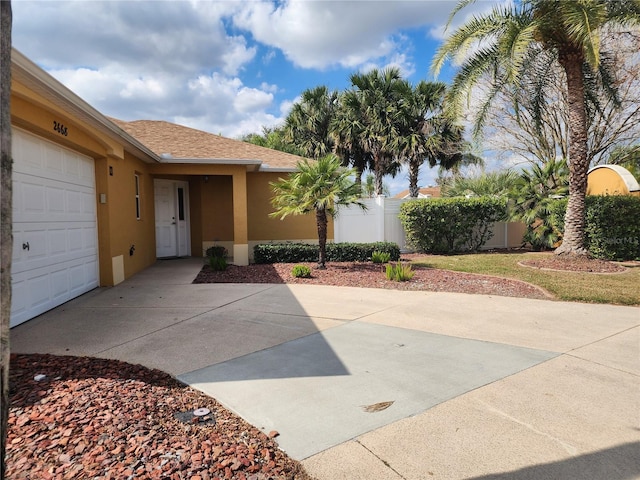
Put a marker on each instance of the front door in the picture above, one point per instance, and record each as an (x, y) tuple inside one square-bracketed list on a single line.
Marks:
[(172, 218)]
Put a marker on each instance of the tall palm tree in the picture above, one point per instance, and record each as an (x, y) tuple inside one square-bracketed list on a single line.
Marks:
[(427, 134), (376, 100), (6, 208), (308, 124), (504, 43), (317, 186), (346, 129)]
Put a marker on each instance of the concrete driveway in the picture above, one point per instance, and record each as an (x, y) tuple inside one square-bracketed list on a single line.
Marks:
[(367, 383)]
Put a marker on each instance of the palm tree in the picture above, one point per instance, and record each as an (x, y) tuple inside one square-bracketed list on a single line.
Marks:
[(346, 129), (369, 187), (317, 186), (419, 139), (533, 197), (491, 184), (6, 208), (273, 138), (376, 102), (506, 42), (427, 134), (308, 124)]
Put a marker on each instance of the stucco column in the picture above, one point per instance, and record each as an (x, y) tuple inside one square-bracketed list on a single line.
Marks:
[(240, 223)]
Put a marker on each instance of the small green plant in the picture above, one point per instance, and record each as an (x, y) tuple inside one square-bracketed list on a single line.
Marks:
[(217, 251), (399, 272), (380, 257), (218, 264), (301, 271)]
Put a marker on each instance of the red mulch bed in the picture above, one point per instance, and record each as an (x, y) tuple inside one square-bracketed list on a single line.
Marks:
[(92, 418), (369, 275)]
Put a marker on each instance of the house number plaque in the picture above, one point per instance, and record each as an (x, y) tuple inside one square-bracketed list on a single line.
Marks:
[(60, 128)]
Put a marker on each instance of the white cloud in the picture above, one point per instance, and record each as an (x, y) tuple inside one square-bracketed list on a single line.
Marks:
[(213, 64), (321, 34)]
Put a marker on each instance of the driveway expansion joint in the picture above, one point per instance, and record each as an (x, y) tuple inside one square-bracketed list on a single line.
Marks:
[(384, 462)]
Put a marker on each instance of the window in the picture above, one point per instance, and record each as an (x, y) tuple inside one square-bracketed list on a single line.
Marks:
[(180, 203), (137, 179)]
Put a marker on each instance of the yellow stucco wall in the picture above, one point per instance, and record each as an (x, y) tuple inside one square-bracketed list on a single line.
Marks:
[(217, 208), (125, 229), (603, 181), (264, 228), (37, 115)]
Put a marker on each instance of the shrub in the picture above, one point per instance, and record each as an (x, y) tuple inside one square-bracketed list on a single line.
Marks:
[(360, 252), (612, 228), (218, 264), (217, 251), (380, 257), (301, 271), (336, 252), (448, 225), (399, 272)]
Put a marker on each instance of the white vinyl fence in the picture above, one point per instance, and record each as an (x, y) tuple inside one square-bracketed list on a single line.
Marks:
[(380, 223)]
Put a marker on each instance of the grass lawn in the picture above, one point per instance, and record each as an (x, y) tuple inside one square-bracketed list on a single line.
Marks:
[(620, 288)]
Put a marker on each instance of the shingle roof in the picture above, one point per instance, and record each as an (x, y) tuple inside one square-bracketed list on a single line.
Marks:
[(424, 191), (188, 143)]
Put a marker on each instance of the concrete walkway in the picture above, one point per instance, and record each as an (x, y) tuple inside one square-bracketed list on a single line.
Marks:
[(382, 384)]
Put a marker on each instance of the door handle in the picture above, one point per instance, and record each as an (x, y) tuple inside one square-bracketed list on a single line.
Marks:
[(25, 246)]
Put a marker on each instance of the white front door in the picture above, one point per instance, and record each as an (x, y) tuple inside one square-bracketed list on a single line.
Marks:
[(172, 218)]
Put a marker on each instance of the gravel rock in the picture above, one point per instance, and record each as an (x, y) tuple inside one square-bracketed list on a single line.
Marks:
[(104, 419)]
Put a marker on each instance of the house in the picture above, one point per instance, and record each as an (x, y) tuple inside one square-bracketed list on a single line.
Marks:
[(611, 180), (423, 192), (97, 199)]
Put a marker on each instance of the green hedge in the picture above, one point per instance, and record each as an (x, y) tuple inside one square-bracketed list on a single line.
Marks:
[(449, 225), (612, 227), (336, 252)]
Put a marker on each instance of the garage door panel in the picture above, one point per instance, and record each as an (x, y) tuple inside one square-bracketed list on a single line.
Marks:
[(57, 243), (56, 202), (89, 203), (33, 198), (55, 199), (18, 297), (59, 283), (35, 294), (90, 239), (55, 216), (42, 158)]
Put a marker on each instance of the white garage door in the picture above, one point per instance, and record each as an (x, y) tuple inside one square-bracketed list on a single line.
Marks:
[(55, 255)]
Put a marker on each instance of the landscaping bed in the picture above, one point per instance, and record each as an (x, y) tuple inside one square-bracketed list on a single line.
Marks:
[(92, 418), (370, 275), (573, 264)]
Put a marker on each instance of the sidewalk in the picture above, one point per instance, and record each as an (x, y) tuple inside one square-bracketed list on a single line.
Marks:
[(474, 386)]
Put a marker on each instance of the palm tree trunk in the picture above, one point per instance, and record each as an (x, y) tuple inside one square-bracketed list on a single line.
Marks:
[(573, 241), (6, 223), (379, 173), (321, 222), (414, 170)]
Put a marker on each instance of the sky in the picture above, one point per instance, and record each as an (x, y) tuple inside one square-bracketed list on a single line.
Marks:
[(227, 67)]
